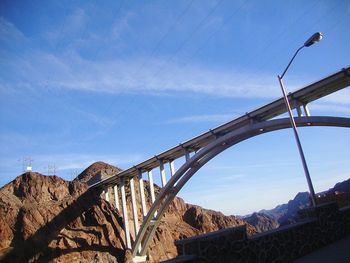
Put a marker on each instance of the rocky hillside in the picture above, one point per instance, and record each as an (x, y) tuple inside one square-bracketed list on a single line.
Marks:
[(47, 219), (95, 170), (262, 222)]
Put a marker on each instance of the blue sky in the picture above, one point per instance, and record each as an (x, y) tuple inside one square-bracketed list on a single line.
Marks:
[(120, 81)]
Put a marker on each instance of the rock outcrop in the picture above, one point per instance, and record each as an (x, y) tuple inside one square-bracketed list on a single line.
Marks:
[(207, 221), (96, 172), (47, 219)]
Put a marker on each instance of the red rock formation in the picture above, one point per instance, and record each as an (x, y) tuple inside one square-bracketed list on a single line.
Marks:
[(206, 220), (47, 219), (44, 218)]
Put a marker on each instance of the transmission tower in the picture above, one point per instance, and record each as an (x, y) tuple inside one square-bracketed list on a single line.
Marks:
[(51, 169), (26, 164)]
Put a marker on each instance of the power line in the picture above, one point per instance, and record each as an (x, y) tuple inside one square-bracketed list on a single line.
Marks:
[(187, 40), (157, 46), (208, 39), (160, 41), (184, 43), (154, 51)]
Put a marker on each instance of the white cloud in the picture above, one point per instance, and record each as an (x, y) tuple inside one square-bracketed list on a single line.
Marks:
[(328, 107), (121, 24), (203, 118), (341, 97), (9, 32), (119, 76), (68, 29), (338, 102)]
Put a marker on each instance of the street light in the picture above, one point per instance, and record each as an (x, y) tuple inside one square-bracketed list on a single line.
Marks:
[(312, 40)]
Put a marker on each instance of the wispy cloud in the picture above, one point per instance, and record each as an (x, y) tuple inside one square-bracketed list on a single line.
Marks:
[(71, 71), (338, 102), (9, 32), (203, 118), (339, 97), (328, 107)]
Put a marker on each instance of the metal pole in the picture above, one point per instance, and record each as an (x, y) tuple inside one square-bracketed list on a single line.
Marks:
[(301, 152)]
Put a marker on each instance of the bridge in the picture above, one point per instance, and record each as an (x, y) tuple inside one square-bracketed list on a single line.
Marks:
[(196, 152)]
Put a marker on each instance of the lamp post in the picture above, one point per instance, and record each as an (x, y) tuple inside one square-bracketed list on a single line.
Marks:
[(312, 40)]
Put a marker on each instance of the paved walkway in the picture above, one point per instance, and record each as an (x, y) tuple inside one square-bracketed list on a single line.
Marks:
[(338, 252)]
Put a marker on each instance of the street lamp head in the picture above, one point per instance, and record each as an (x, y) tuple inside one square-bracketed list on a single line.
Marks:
[(313, 39)]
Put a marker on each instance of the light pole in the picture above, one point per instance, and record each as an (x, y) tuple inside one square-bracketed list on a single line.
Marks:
[(312, 40)]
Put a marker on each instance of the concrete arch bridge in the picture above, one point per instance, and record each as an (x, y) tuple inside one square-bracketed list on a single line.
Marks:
[(197, 151)]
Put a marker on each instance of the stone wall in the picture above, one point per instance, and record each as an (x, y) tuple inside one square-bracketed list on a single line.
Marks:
[(319, 226)]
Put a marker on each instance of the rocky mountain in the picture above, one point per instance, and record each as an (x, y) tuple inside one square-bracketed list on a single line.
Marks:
[(339, 193), (96, 172), (280, 215), (262, 222), (47, 219), (288, 213), (341, 187)]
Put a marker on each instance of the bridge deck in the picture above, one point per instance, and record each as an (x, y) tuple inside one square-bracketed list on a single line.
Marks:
[(303, 96)]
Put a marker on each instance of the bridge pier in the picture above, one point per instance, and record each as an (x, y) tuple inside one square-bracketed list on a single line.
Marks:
[(105, 191), (162, 173), (116, 197), (142, 195), (187, 154), (306, 110), (125, 214), (172, 167), (151, 186), (134, 206)]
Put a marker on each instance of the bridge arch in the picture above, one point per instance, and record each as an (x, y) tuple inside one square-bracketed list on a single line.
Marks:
[(204, 155)]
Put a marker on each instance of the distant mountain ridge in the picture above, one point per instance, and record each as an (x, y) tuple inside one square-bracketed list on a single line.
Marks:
[(341, 187), (285, 214)]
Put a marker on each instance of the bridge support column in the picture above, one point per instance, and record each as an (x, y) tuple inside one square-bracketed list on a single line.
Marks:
[(142, 195), (162, 173), (125, 215), (116, 197), (298, 108), (187, 155), (106, 194), (151, 186), (306, 110), (172, 167), (134, 207)]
